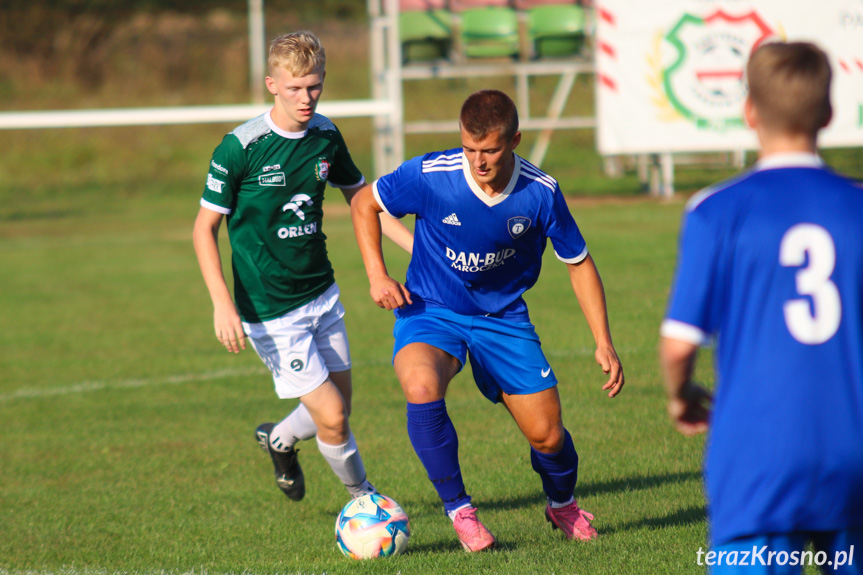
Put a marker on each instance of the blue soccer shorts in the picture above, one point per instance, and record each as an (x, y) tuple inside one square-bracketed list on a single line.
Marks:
[(505, 355)]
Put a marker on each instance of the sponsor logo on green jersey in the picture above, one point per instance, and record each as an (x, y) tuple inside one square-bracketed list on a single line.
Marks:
[(219, 168), (214, 185), (275, 179)]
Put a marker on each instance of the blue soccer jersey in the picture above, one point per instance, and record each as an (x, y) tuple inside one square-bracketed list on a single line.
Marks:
[(474, 254), (771, 264)]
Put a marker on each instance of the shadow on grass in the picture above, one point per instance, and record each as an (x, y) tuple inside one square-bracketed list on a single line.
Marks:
[(620, 485), (439, 546), (452, 546), (681, 518), (635, 483)]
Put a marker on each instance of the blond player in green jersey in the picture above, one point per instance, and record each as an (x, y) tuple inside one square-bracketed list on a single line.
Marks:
[(268, 178)]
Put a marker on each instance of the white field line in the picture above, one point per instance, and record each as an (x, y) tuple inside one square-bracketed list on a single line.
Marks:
[(94, 571), (88, 386)]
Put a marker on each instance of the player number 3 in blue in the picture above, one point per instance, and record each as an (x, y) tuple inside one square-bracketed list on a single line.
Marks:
[(819, 323)]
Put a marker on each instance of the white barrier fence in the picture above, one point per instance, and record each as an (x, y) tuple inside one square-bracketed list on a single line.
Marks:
[(175, 115)]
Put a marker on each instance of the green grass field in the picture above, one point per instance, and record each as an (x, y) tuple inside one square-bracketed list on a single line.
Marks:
[(127, 431)]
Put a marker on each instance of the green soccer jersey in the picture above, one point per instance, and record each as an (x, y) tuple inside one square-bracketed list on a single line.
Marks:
[(270, 184)]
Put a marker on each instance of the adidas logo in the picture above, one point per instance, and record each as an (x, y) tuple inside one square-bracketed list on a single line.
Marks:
[(452, 220)]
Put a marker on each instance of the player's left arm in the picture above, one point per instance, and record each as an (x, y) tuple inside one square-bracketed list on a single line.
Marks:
[(590, 293), (391, 227)]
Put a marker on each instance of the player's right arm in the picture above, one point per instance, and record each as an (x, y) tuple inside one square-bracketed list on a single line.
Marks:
[(692, 315), (391, 227), (365, 213), (226, 320), (688, 402)]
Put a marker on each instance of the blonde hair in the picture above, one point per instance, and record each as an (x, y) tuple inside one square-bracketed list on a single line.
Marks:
[(789, 85), (300, 53)]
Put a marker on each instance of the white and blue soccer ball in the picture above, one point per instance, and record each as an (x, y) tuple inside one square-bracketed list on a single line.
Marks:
[(372, 526)]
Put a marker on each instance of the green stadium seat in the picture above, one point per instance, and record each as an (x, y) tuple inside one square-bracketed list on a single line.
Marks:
[(461, 5), (556, 29), (489, 32), (426, 34), (420, 5)]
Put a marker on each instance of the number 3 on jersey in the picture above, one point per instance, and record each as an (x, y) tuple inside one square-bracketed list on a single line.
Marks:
[(815, 325)]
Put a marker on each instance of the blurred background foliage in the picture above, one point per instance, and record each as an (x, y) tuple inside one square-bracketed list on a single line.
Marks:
[(68, 53)]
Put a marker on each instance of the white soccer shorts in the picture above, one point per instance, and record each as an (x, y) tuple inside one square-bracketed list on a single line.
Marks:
[(301, 347)]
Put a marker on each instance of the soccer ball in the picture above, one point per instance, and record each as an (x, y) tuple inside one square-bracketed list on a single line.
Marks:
[(372, 526)]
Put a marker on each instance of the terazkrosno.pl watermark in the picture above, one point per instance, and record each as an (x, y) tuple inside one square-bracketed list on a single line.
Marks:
[(763, 556)]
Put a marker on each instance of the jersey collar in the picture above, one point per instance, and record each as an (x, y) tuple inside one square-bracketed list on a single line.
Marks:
[(479, 193), (290, 135), (789, 160)]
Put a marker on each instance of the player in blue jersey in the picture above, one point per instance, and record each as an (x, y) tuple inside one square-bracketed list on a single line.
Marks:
[(483, 217), (771, 265)]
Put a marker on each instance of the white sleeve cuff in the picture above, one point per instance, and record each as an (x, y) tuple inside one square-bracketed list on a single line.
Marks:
[(215, 207), (378, 199), (350, 187), (576, 260), (678, 330)]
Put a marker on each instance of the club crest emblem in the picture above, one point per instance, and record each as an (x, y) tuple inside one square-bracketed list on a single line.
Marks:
[(322, 170), (517, 226), (698, 65)]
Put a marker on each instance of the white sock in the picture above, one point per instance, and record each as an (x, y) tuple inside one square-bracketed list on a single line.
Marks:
[(347, 464), (297, 426), (556, 505), (451, 514)]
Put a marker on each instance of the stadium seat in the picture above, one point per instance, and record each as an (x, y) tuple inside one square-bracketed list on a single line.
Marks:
[(556, 30), (489, 32), (528, 4), (462, 5), (426, 34), (415, 5)]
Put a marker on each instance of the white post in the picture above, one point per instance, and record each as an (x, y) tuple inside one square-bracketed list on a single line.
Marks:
[(377, 50), (740, 159), (555, 109), (643, 171), (394, 85), (666, 161), (257, 49)]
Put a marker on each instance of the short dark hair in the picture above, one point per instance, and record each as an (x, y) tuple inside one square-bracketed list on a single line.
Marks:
[(789, 84), (487, 111)]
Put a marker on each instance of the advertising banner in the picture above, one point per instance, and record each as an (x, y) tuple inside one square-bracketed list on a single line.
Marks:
[(670, 74)]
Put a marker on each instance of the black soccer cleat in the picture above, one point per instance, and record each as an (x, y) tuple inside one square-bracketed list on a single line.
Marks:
[(289, 474)]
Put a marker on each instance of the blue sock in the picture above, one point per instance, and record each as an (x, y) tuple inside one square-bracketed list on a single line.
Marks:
[(434, 439), (559, 471)]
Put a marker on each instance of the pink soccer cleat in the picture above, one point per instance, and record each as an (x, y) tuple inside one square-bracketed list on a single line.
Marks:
[(472, 534), (574, 522)]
